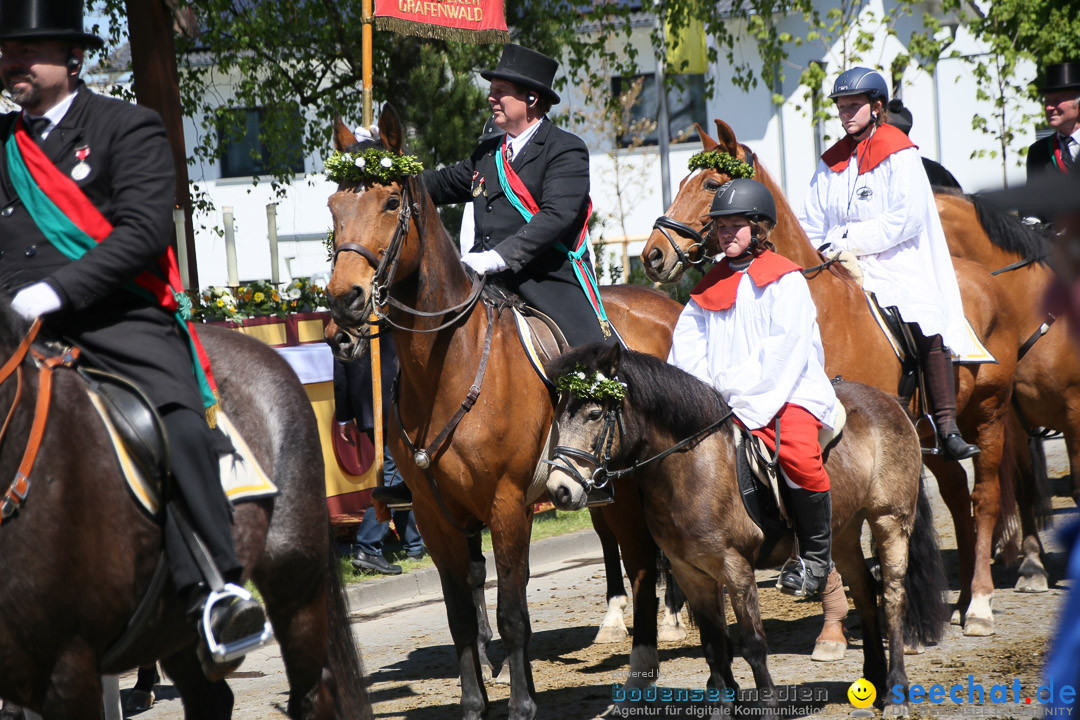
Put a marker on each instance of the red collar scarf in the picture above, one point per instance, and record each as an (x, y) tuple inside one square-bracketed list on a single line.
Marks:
[(886, 141), (717, 290)]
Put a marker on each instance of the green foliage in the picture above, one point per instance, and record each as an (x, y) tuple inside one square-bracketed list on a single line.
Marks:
[(371, 166), (724, 162), (590, 386)]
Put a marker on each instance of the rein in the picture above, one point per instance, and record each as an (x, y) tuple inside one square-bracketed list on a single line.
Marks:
[(15, 495), (386, 269), (1016, 265), (601, 476)]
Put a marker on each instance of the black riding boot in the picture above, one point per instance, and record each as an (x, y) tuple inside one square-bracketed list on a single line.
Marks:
[(805, 575), (941, 389)]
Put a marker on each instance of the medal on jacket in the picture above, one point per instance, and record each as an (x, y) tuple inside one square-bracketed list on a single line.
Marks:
[(82, 168), (479, 188)]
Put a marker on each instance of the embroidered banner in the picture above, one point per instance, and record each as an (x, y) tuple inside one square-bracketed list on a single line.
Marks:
[(477, 21)]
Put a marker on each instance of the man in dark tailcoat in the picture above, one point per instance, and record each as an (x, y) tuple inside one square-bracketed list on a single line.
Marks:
[(1058, 153), (525, 256), (118, 158)]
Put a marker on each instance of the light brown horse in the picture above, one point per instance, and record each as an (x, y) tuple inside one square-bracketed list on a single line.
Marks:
[(696, 511), (486, 473), (856, 349)]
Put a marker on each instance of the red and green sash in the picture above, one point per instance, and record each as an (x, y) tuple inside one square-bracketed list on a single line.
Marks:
[(73, 225), (522, 199), (1055, 152)]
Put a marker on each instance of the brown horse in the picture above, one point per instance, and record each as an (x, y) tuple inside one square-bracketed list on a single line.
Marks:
[(695, 509), (486, 473), (80, 555), (856, 349)]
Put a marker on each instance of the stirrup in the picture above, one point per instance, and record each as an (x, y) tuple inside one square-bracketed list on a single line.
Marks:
[(227, 652), (786, 581)]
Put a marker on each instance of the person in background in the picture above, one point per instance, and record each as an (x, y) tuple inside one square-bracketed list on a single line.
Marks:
[(1057, 153), (900, 118)]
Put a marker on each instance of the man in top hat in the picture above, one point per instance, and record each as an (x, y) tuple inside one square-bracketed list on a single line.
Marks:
[(109, 165), (1058, 153)]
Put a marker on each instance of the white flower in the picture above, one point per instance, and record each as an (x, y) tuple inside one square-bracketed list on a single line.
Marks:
[(580, 375), (600, 377), (386, 162), (294, 293), (360, 162)]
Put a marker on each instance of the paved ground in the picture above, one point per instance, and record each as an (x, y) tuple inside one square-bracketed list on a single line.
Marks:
[(401, 626)]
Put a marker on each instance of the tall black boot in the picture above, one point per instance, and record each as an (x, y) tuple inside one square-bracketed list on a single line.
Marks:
[(805, 576), (941, 388)]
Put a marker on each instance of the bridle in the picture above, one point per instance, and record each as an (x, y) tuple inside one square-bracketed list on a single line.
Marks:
[(380, 299), (666, 222), (600, 455)]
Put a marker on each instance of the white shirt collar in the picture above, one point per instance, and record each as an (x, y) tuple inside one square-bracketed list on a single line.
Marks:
[(54, 114), (518, 143)]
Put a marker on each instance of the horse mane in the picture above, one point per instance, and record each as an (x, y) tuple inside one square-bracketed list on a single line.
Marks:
[(667, 395), (1005, 230)]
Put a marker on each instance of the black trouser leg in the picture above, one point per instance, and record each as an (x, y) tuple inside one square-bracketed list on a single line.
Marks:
[(941, 390), (197, 483)]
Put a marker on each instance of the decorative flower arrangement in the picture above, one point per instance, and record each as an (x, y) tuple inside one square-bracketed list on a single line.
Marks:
[(591, 386), (256, 299), (371, 166), (722, 162)]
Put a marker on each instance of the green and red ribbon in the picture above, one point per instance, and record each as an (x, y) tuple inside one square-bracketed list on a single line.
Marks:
[(73, 225), (523, 201)]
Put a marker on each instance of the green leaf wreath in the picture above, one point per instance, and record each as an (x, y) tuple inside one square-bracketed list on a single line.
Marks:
[(371, 166), (591, 386), (723, 162)]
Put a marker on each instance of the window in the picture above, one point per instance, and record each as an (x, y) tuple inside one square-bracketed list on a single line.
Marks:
[(242, 150), (686, 106)]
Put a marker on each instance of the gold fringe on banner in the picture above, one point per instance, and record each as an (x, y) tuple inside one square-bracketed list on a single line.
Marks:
[(439, 32)]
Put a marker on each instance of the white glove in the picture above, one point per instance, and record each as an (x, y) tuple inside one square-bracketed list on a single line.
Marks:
[(364, 134), (35, 300), (487, 261)]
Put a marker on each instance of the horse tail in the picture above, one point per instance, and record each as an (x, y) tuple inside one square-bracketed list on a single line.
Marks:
[(1037, 491), (674, 597), (925, 584), (343, 655)]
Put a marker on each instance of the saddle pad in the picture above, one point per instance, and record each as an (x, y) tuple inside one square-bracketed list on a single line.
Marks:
[(760, 498), (539, 341), (981, 356), (241, 476)]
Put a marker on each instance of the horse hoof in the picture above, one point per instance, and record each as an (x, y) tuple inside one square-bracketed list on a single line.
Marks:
[(1032, 584), (828, 651), (914, 649), (611, 634), (487, 672), (957, 618), (504, 674), (671, 633), (139, 701), (979, 627)]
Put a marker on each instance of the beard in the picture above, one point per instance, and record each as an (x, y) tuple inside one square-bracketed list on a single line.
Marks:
[(28, 95)]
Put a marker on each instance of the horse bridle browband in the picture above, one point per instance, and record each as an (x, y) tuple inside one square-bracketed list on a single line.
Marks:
[(600, 455)]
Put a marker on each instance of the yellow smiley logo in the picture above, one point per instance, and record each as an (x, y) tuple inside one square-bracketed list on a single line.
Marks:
[(861, 694)]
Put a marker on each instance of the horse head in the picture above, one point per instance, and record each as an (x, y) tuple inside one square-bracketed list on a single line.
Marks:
[(677, 238), (376, 243), (588, 427)]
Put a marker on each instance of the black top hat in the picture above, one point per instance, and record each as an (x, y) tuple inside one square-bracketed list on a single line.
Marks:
[(45, 20), (1062, 76), (526, 68), (899, 116)]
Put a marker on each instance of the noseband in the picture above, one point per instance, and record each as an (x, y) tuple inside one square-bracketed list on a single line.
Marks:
[(598, 458)]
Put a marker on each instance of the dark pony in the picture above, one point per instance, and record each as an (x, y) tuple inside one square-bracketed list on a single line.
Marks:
[(694, 509), (80, 555)]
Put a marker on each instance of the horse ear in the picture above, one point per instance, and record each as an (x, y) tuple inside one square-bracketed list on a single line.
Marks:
[(390, 129), (728, 142), (609, 363), (708, 144), (343, 136)]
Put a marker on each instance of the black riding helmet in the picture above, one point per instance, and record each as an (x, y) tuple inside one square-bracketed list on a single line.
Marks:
[(744, 196)]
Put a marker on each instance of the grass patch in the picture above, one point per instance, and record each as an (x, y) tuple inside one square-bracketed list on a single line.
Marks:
[(547, 524)]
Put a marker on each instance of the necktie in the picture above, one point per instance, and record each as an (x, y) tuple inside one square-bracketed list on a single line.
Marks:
[(36, 126), (1068, 146)]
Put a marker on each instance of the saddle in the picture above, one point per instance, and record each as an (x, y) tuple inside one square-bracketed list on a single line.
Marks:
[(541, 339)]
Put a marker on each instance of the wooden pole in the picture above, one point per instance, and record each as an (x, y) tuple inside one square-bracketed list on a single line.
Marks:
[(153, 63), (367, 37)]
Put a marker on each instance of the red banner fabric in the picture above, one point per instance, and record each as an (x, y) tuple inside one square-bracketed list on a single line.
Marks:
[(479, 21)]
